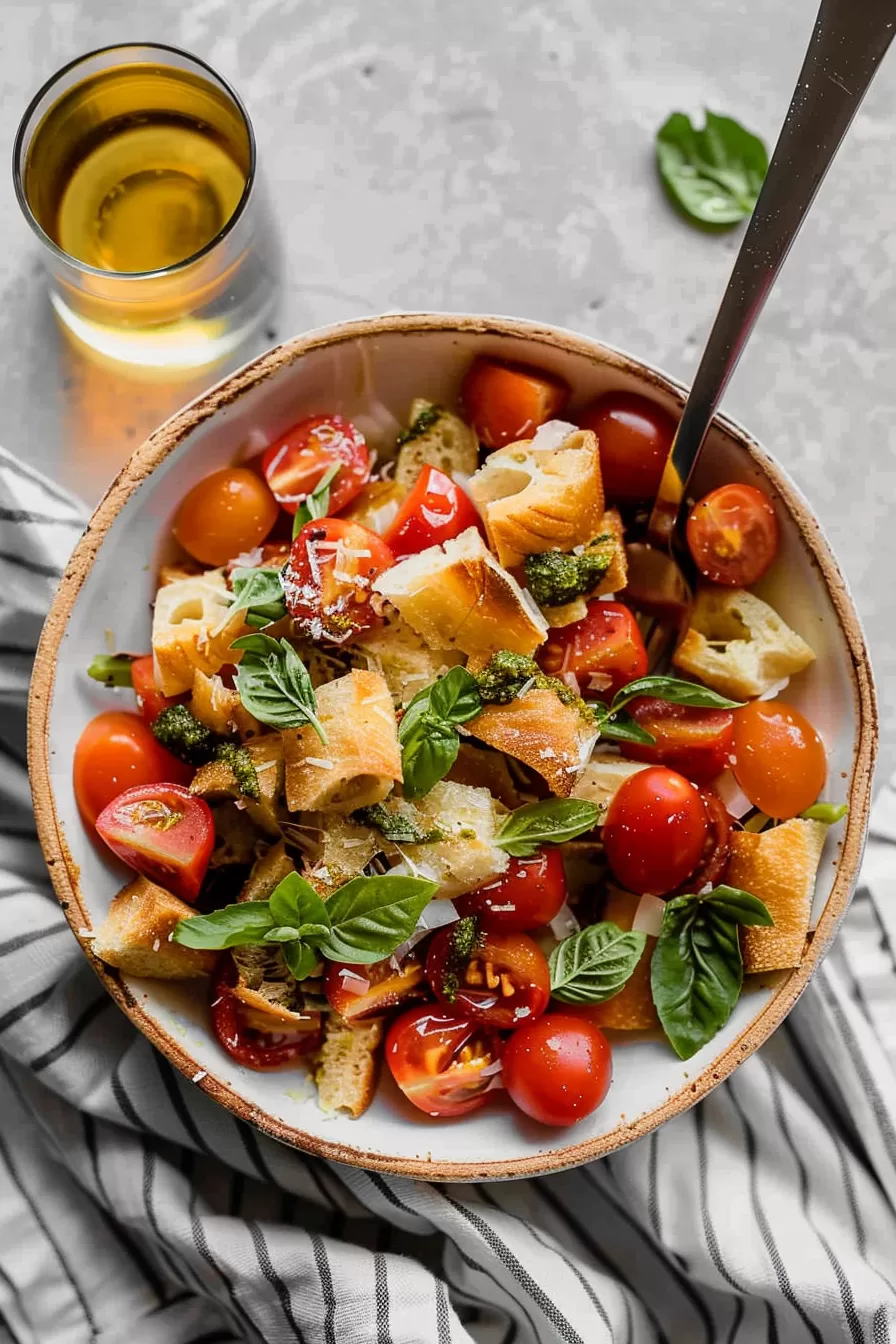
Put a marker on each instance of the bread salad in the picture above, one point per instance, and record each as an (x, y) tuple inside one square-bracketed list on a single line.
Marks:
[(404, 781)]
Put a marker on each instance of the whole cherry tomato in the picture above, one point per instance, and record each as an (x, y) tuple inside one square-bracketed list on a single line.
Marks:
[(733, 535), (635, 437), (494, 977), (117, 751), (442, 1060), (239, 1032), (294, 465), (150, 700), (605, 650), (435, 511), (527, 895), (779, 759), (655, 831), (506, 402), (385, 986), (557, 1069), (227, 513), (327, 582), (695, 742), (163, 832)]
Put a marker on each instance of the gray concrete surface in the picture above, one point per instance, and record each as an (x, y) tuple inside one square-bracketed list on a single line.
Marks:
[(496, 156)]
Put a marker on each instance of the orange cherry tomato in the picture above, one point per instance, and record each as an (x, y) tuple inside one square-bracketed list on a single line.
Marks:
[(779, 759), (386, 986), (117, 751), (435, 511), (327, 582), (150, 699), (442, 1060), (506, 402), (557, 1069), (229, 512), (733, 535), (604, 647), (163, 832), (294, 465), (655, 831), (503, 980), (634, 436)]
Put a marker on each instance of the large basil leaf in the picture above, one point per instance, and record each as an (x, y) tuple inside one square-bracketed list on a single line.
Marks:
[(274, 685), (295, 902), (259, 593), (455, 697), (371, 916), (595, 963), (247, 922), (713, 175), (548, 823), (675, 690)]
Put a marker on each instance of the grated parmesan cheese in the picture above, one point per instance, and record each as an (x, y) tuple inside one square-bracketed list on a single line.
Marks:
[(319, 761)]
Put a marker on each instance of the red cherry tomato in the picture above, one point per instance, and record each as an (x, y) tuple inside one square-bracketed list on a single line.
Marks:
[(150, 700), (557, 1069), (294, 465), (116, 751), (655, 831), (779, 759), (439, 1058), (506, 402), (635, 437), (386, 986), (327, 582), (435, 511), (241, 1031), (716, 847), (604, 649), (503, 980), (695, 742), (226, 513), (163, 832), (526, 896), (733, 535)]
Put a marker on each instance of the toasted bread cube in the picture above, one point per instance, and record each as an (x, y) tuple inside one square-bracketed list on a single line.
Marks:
[(134, 935), (216, 781), (399, 654), (469, 819), (458, 595), (539, 730), (268, 871), (348, 1064), (632, 1009), (602, 778), (757, 649), (613, 581), (190, 630), (446, 443), (778, 866), (220, 708)]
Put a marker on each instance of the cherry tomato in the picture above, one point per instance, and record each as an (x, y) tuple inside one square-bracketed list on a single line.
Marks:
[(116, 751), (695, 742), (779, 759), (239, 1031), (229, 512), (526, 896), (716, 847), (557, 1069), (150, 700), (294, 465), (438, 1059), (386, 986), (503, 979), (163, 832), (506, 402), (635, 437), (655, 831), (604, 649), (733, 535), (328, 579), (435, 511)]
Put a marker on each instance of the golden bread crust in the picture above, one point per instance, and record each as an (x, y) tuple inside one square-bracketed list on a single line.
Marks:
[(779, 866), (759, 647), (348, 1064), (543, 733), (134, 936)]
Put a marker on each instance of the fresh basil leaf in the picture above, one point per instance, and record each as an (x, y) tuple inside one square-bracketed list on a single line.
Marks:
[(301, 959), (620, 726), (713, 175), (317, 504), (455, 697), (829, 813), (594, 964), (284, 933), (547, 823), (675, 690), (427, 755), (112, 669), (274, 685), (740, 906), (244, 924), (294, 901), (396, 826), (371, 916), (259, 646), (259, 593)]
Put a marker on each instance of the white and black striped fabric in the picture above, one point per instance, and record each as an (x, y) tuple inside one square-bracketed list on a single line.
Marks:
[(133, 1209)]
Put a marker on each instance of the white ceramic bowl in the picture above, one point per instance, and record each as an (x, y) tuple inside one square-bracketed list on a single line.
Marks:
[(370, 370)]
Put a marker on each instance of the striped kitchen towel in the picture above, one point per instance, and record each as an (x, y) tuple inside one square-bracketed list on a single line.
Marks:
[(133, 1209)]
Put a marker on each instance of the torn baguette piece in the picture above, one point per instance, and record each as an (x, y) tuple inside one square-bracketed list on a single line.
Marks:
[(458, 595), (436, 438), (469, 820), (338, 849), (738, 645), (348, 1064), (190, 630), (134, 936), (216, 781), (403, 657), (541, 731), (613, 581), (540, 499), (360, 761), (219, 707), (632, 1009), (778, 866)]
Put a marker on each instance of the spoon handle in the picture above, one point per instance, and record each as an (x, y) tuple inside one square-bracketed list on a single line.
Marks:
[(846, 48)]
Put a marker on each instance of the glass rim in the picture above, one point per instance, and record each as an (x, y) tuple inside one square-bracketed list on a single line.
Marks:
[(84, 267)]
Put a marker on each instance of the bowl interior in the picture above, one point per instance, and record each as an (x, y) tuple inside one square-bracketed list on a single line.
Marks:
[(370, 372)]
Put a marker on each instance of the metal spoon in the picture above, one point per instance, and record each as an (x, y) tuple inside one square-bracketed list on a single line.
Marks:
[(847, 45)]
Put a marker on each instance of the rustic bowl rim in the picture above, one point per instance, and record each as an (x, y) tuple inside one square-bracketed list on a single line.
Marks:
[(64, 872)]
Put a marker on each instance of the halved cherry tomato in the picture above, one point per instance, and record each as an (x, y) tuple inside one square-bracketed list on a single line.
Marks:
[(163, 832), (386, 986), (557, 1069), (779, 759), (294, 465), (605, 650), (116, 751), (635, 436), (733, 535), (327, 582), (502, 980), (655, 831), (435, 511), (150, 700), (526, 896), (716, 847), (506, 402), (438, 1058), (237, 1029), (226, 513), (695, 742)]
